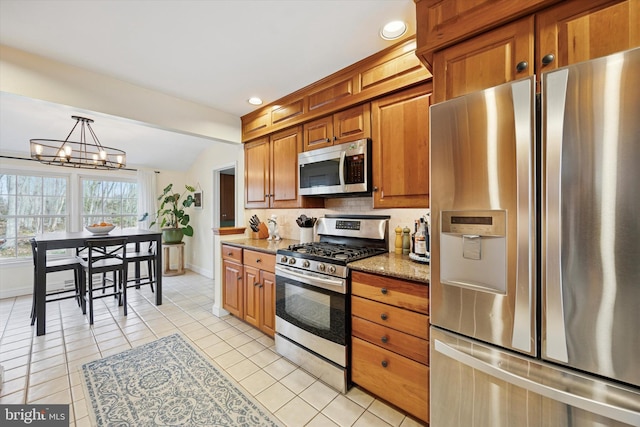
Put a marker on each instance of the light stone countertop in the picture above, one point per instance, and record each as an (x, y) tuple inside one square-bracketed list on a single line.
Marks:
[(398, 266), (261, 245), (388, 264)]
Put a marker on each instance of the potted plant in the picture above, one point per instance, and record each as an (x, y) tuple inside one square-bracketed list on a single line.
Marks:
[(174, 222)]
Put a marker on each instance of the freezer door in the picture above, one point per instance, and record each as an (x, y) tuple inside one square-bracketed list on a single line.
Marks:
[(591, 210), (476, 385), (483, 215)]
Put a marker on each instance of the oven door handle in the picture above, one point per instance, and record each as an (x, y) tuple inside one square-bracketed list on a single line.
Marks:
[(336, 285)]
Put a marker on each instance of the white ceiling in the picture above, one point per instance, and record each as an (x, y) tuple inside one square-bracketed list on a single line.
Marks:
[(214, 52)]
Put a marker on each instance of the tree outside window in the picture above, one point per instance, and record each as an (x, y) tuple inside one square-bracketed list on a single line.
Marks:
[(30, 205), (110, 201)]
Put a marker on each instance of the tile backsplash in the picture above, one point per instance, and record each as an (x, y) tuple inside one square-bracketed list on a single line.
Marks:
[(288, 228)]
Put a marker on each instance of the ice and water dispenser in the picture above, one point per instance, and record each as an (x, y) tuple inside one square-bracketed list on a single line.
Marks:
[(473, 249)]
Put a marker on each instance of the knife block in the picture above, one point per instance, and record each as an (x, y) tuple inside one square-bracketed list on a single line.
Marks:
[(262, 233)]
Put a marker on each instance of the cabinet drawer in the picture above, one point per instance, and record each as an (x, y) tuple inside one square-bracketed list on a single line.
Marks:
[(404, 344), (232, 253), (412, 323), (401, 293), (403, 382), (260, 260)]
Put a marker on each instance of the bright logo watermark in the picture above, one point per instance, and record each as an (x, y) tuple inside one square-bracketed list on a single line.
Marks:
[(35, 415)]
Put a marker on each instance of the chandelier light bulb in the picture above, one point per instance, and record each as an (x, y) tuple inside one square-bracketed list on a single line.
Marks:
[(67, 150), (38, 149), (103, 155)]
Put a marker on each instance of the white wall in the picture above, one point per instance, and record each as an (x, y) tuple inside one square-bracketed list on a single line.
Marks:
[(199, 250)]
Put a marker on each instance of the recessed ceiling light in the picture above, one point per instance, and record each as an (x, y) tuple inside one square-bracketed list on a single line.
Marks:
[(254, 100), (393, 30)]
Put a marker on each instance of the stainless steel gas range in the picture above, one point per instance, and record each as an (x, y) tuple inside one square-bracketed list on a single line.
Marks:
[(313, 327)]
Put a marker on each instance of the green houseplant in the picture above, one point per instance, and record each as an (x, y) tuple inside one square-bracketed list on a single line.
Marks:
[(174, 221)]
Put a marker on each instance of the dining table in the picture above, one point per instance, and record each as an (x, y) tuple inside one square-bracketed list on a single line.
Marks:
[(72, 240)]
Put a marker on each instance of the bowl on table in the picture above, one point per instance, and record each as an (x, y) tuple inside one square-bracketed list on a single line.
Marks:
[(99, 229)]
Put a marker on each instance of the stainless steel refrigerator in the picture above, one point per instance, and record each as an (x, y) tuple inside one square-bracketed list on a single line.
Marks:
[(535, 256)]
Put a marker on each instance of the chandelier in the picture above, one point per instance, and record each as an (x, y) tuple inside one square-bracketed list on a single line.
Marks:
[(78, 153)]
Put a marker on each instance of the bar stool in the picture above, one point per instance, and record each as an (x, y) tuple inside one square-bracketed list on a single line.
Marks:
[(54, 265), (105, 255)]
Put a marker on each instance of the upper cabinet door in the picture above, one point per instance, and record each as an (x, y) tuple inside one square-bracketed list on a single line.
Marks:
[(318, 133), (352, 124), (285, 146), (256, 173), (490, 59), (577, 31), (401, 149)]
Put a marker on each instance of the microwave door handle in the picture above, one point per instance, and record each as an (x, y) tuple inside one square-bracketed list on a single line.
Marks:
[(343, 155)]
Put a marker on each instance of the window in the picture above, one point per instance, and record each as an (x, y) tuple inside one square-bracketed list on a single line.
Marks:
[(110, 201), (29, 205)]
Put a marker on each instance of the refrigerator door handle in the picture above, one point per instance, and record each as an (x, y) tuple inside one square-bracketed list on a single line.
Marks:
[(503, 373), (524, 110), (554, 332)]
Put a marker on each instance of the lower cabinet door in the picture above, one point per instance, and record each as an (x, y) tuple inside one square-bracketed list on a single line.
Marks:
[(396, 379)]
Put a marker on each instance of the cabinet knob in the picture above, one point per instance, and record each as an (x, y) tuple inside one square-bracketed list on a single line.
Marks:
[(384, 291), (239, 278), (229, 253), (328, 139), (256, 284), (384, 339), (548, 59), (259, 286), (383, 316), (335, 138), (258, 260), (375, 188), (522, 65), (384, 363)]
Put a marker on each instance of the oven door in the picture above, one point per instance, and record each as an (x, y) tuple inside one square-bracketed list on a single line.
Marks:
[(311, 310)]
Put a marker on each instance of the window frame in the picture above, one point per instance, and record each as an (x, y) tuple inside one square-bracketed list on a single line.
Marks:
[(68, 215), (102, 178)]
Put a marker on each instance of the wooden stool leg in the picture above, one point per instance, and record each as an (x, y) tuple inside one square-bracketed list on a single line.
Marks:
[(180, 260), (167, 260)]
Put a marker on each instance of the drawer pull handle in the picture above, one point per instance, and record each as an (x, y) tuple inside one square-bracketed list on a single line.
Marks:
[(229, 253), (258, 260), (384, 363), (384, 339), (383, 316), (384, 291)]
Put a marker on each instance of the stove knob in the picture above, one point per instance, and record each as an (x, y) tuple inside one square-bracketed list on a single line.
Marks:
[(292, 261), (321, 267), (332, 269), (283, 259), (306, 263)]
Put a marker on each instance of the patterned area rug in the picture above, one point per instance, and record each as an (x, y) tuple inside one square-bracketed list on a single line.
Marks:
[(166, 383)]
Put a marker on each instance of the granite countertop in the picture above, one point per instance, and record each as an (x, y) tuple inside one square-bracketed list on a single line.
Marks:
[(393, 265), (261, 245), (387, 264)]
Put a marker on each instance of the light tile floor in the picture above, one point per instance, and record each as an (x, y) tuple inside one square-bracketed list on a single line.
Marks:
[(46, 369)]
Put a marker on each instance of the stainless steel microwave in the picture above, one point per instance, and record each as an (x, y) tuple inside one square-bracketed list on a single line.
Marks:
[(339, 170)]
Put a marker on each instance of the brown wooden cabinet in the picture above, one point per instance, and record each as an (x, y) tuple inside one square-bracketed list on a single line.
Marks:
[(248, 287), (386, 71), (271, 171), (232, 288), (442, 23), (390, 340), (344, 126), (563, 34), (259, 291), (401, 149), (485, 61)]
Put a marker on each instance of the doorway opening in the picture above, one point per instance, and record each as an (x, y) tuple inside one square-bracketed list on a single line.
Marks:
[(224, 181)]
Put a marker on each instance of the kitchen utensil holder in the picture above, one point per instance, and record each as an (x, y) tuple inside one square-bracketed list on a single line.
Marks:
[(306, 234), (262, 233)]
